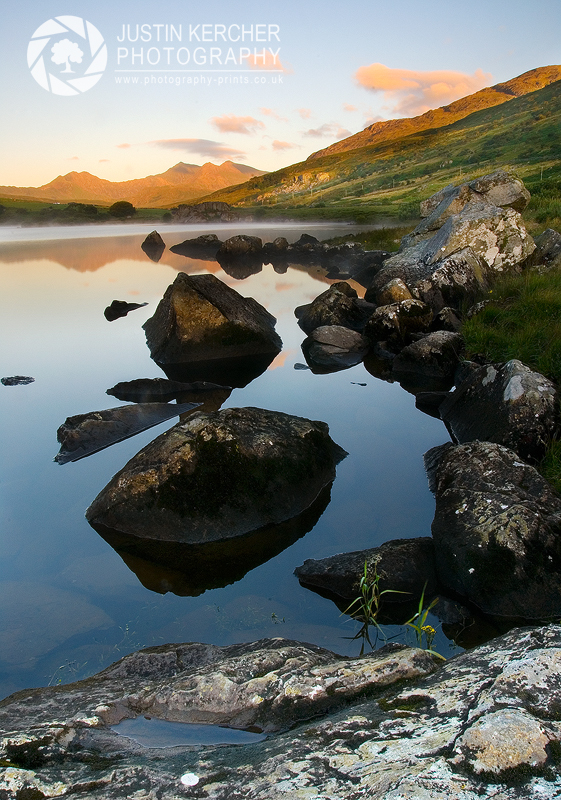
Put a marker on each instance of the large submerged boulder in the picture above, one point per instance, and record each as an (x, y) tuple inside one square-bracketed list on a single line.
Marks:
[(496, 530), (218, 476), (201, 323), (505, 403), (429, 362)]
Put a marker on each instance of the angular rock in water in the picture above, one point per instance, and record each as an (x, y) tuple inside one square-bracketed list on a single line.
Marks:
[(218, 476), (338, 305), (504, 403), (153, 246), (189, 570), (160, 390), (276, 252), (203, 247), (430, 363), (496, 530), (405, 567), (204, 330), (331, 347), (120, 308), (398, 322), (241, 256), (85, 434), (17, 380)]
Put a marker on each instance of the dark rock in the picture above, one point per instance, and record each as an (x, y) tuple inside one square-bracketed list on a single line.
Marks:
[(276, 252), (393, 292), (447, 319), (17, 380), (338, 305), (496, 530), (219, 476), (331, 347), (153, 246), (547, 255), (202, 247), (189, 570), (159, 390), (366, 265), (430, 402), (404, 565), (241, 256), (378, 362), (210, 211), (85, 434), (204, 330), (504, 403), (120, 308), (435, 357), (396, 323)]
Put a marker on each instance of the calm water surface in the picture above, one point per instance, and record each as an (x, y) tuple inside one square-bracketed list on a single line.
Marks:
[(69, 605)]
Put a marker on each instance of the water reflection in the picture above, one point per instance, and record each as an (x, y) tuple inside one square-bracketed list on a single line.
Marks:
[(189, 570)]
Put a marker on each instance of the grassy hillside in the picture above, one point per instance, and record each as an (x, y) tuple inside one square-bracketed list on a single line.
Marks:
[(391, 178)]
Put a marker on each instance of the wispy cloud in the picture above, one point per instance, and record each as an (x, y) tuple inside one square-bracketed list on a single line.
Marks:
[(305, 113), (103, 160), (123, 146), (331, 129), (278, 145), (230, 123), (203, 147), (269, 112), (73, 158), (349, 107), (410, 92)]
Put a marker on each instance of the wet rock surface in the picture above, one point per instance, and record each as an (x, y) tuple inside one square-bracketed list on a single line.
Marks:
[(430, 362), (160, 390), (505, 403), (430, 738), (120, 308), (201, 320), (496, 530), (332, 347), (85, 434), (338, 305), (218, 476)]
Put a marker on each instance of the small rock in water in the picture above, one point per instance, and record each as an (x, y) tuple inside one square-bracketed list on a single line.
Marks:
[(301, 366), (355, 383), (153, 246), (120, 308), (16, 380)]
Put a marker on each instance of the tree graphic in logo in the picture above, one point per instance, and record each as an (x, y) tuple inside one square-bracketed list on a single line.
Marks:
[(73, 41), (66, 51)]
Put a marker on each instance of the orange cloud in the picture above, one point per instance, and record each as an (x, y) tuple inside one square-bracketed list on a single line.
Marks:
[(277, 145), (413, 92), (230, 123), (349, 107), (123, 146)]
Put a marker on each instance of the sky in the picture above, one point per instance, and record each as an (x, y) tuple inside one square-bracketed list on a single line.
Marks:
[(259, 83)]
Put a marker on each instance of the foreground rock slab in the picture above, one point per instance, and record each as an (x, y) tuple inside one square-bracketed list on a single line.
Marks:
[(218, 476), (484, 725), (496, 530)]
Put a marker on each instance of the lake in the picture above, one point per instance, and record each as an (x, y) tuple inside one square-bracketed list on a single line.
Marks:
[(70, 604)]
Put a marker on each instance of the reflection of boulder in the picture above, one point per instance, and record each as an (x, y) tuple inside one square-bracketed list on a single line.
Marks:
[(330, 348), (153, 246), (191, 569), (219, 476), (120, 308), (160, 390), (204, 247), (85, 434), (203, 329), (241, 256)]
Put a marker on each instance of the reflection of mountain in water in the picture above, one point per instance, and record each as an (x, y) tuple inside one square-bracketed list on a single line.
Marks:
[(189, 570)]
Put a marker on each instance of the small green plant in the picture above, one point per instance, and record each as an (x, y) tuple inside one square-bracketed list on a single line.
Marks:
[(419, 624), (366, 606)]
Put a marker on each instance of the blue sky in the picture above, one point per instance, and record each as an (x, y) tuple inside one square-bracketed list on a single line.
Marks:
[(339, 66)]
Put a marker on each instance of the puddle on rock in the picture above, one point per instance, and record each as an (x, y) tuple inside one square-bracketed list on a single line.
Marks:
[(150, 732)]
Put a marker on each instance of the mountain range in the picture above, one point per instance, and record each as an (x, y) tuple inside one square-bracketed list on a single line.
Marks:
[(182, 183)]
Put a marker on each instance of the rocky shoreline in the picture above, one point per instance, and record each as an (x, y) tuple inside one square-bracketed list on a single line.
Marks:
[(393, 723)]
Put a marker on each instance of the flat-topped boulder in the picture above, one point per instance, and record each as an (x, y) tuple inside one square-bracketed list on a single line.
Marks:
[(338, 305), (219, 475)]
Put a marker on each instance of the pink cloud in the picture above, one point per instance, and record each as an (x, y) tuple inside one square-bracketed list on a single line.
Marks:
[(331, 129), (73, 158), (123, 146), (268, 112), (412, 92), (349, 107), (103, 160), (305, 113), (277, 145), (230, 123), (204, 147)]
